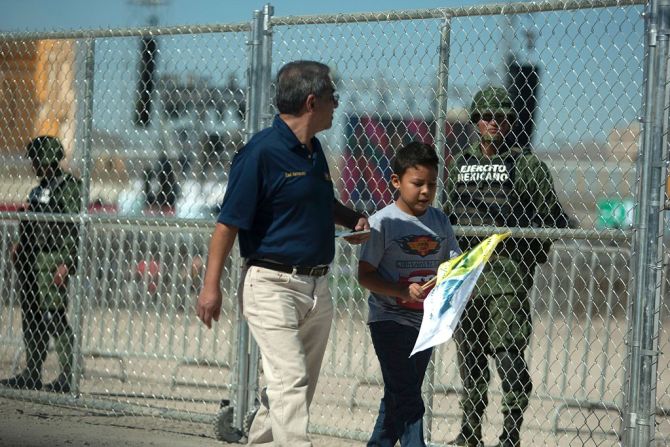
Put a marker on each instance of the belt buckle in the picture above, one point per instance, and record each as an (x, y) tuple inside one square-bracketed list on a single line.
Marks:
[(318, 270)]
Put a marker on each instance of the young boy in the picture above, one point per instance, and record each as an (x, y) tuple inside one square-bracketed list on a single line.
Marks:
[(408, 241)]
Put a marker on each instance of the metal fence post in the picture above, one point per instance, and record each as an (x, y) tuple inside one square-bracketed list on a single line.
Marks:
[(254, 76), (441, 112), (640, 392), (439, 201), (257, 99), (79, 292), (266, 65), (263, 117), (241, 378)]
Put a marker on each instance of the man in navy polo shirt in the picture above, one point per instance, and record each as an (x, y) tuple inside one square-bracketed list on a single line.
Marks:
[(280, 200)]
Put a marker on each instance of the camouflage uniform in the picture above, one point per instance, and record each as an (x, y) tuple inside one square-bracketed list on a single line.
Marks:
[(511, 188), (42, 248)]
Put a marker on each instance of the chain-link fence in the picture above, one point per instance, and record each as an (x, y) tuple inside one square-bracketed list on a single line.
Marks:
[(149, 120)]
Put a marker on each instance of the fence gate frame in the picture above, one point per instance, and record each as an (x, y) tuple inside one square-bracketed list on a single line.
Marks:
[(647, 273)]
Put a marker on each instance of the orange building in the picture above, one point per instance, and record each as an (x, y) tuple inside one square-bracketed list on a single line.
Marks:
[(37, 93)]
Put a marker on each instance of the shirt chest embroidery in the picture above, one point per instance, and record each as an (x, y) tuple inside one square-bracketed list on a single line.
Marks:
[(493, 172)]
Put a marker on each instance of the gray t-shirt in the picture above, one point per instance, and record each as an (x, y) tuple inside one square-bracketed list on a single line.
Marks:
[(407, 249)]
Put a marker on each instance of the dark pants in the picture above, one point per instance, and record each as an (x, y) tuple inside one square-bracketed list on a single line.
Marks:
[(38, 323), (401, 409)]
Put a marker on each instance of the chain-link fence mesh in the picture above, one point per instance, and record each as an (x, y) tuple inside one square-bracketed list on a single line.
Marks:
[(150, 124), (149, 120)]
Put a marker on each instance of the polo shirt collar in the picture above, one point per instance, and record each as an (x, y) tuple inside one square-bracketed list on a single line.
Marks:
[(289, 138)]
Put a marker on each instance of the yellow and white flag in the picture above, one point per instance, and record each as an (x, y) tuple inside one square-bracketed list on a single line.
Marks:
[(454, 282)]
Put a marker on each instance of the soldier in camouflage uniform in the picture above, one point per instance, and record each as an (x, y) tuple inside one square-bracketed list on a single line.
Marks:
[(493, 183), (44, 258)]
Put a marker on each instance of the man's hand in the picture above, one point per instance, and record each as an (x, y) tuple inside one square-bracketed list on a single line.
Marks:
[(362, 224), (209, 305), (61, 275), (209, 300)]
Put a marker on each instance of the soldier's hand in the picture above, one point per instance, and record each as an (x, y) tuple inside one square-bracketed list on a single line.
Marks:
[(209, 305), (61, 275), (15, 253)]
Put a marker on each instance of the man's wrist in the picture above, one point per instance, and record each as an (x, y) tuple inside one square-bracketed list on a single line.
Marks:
[(358, 217), (346, 216)]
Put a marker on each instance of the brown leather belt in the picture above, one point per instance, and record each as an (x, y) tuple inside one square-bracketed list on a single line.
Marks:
[(319, 270)]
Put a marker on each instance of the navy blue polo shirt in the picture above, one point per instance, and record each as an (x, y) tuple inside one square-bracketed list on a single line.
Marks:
[(281, 198)]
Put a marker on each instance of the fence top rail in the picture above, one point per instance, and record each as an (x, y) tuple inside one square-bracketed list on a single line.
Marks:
[(387, 16), (441, 13), (120, 222), (127, 32), (180, 224), (546, 233)]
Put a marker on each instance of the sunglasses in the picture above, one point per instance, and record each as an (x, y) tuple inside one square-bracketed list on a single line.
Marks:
[(498, 117), (333, 96)]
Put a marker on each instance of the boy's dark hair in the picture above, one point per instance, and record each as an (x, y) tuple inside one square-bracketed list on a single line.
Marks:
[(297, 80), (415, 153)]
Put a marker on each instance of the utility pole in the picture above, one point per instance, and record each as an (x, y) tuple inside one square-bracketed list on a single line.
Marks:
[(147, 66), (521, 74)]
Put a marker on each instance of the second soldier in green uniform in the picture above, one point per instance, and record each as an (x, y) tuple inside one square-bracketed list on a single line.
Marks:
[(44, 258), (493, 183)]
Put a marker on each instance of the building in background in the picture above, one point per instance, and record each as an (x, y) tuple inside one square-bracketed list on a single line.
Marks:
[(37, 96), (375, 118), (37, 93), (371, 142), (199, 126)]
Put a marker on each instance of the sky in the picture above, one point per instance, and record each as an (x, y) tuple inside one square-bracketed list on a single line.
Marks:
[(40, 15)]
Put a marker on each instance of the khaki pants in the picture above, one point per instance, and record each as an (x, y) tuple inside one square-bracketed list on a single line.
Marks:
[(289, 316)]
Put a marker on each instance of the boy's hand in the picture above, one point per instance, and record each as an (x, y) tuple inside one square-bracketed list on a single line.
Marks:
[(414, 294)]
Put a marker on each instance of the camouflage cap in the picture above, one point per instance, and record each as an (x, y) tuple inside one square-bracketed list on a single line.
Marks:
[(46, 149), (493, 100)]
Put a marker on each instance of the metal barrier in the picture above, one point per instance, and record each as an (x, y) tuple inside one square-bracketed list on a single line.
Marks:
[(136, 315), (152, 133)]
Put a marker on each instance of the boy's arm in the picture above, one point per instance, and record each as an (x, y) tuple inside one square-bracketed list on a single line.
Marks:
[(369, 278)]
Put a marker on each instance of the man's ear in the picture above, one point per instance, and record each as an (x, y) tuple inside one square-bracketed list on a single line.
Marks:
[(310, 102)]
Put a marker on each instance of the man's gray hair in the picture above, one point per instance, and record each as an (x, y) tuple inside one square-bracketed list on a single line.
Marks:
[(299, 79)]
